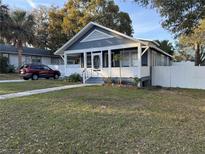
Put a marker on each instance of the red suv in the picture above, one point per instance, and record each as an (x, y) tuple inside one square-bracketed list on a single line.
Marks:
[(33, 71)]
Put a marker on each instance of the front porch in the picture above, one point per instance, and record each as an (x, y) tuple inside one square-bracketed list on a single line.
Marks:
[(133, 62)]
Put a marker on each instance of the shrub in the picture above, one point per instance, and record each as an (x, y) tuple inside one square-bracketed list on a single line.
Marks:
[(136, 81), (11, 69), (3, 64), (108, 80), (74, 78)]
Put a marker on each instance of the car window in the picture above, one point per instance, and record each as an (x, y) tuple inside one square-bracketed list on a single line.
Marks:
[(46, 68), (35, 67), (24, 66)]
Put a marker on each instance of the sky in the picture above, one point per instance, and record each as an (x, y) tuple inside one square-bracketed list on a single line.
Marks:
[(146, 22)]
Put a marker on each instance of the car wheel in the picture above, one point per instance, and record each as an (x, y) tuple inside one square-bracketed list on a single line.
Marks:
[(56, 76), (47, 78), (34, 77)]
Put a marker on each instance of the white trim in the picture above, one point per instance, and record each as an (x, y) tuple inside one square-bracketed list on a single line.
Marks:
[(160, 50), (106, 36), (133, 45), (139, 59), (100, 55), (145, 51)]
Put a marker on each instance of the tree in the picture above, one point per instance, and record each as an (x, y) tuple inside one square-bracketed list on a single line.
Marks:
[(166, 46), (4, 19), (22, 30), (110, 16), (66, 22), (180, 16), (196, 40), (41, 17), (56, 36)]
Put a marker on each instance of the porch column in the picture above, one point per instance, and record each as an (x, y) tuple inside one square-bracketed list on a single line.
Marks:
[(65, 64), (109, 62), (85, 60), (139, 60), (92, 61)]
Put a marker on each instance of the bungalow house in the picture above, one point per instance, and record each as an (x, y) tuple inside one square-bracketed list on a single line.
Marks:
[(30, 55), (92, 53)]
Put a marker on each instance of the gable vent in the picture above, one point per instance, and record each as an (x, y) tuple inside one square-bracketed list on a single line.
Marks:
[(96, 35)]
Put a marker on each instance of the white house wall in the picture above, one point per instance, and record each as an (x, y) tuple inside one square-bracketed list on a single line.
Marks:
[(46, 60), (13, 60)]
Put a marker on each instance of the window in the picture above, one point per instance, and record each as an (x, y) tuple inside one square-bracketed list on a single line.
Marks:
[(56, 61), (125, 58), (89, 63), (73, 60), (115, 62), (105, 58), (27, 59), (5, 55), (36, 60), (45, 68), (134, 59), (35, 67), (145, 59)]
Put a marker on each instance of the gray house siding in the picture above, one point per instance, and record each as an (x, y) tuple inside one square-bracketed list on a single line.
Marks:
[(116, 40)]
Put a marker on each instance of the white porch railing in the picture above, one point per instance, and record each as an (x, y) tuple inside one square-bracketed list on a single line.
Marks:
[(86, 74), (126, 72)]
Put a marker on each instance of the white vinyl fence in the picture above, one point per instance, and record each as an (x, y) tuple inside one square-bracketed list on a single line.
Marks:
[(179, 76)]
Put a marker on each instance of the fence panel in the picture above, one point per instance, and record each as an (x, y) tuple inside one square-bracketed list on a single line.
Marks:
[(179, 76)]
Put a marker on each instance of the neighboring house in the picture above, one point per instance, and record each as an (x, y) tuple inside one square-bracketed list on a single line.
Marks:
[(91, 53), (30, 55)]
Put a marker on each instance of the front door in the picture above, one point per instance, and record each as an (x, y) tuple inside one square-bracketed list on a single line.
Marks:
[(96, 64), (97, 61)]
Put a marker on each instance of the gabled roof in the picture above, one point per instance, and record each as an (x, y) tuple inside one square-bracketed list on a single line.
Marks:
[(61, 50), (26, 51)]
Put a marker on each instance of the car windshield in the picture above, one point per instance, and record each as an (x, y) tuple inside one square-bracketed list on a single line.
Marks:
[(24, 66)]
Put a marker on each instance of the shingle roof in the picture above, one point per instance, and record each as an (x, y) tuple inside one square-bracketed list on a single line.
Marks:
[(26, 51)]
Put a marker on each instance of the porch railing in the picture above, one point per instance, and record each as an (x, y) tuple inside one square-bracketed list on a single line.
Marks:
[(86, 74)]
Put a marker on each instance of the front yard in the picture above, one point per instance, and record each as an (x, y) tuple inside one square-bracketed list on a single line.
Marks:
[(9, 76), (104, 120), (6, 88)]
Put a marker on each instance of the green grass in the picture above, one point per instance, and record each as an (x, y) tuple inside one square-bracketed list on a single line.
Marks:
[(105, 120), (6, 88), (9, 76)]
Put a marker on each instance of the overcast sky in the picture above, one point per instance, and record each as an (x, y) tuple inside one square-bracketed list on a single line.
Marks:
[(146, 22)]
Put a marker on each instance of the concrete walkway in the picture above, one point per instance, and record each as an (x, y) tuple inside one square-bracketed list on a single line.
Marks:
[(11, 81), (41, 91)]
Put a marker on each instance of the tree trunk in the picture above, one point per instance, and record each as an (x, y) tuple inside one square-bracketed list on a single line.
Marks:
[(20, 51), (197, 54)]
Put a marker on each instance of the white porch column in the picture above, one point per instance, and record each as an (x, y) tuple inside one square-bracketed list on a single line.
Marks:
[(85, 60), (92, 61), (139, 60), (109, 62), (65, 64)]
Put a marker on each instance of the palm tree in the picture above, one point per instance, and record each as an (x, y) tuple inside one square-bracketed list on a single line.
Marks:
[(4, 17), (22, 31)]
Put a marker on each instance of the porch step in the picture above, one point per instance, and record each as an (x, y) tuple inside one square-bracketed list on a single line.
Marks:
[(94, 80)]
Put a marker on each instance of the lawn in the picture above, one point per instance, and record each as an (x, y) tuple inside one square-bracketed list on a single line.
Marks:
[(9, 76), (105, 120), (6, 88)]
